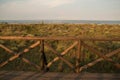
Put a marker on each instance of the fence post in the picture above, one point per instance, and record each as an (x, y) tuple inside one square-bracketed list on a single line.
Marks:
[(78, 56), (43, 58)]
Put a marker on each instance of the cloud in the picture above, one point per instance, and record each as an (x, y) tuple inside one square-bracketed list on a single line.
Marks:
[(55, 3), (58, 9), (32, 5), (47, 3), (29, 9)]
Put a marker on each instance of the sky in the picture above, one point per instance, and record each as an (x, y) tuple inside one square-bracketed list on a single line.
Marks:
[(59, 9)]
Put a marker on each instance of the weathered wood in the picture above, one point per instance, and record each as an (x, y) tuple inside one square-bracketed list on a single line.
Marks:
[(43, 57), (90, 48), (31, 63), (59, 38), (35, 38), (62, 54), (20, 53), (78, 55), (56, 53), (99, 59), (22, 75), (24, 59), (6, 49)]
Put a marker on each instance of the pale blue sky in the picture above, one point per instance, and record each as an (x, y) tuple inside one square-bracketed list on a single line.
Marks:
[(60, 9)]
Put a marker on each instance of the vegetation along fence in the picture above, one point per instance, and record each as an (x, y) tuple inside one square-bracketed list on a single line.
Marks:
[(46, 47)]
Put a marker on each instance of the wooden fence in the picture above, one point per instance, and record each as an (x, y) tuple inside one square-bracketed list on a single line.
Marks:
[(77, 42)]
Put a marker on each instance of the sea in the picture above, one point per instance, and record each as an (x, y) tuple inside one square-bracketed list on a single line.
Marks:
[(61, 21)]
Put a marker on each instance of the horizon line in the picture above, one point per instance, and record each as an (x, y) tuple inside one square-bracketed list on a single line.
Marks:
[(57, 19)]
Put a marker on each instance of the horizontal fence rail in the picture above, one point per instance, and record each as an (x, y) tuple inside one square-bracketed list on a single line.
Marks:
[(59, 38), (78, 42)]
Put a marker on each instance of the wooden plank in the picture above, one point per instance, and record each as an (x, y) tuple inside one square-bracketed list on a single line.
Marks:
[(35, 38), (58, 55), (43, 57), (24, 59), (6, 49), (62, 54), (20, 53), (59, 38), (99, 59), (78, 55), (21, 75), (90, 48)]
